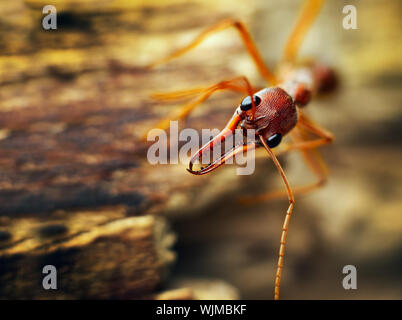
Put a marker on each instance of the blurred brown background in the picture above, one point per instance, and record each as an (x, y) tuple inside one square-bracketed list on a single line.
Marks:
[(77, 191)]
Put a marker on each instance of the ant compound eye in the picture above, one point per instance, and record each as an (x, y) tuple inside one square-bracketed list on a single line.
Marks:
[(274, 140), (246, 103)]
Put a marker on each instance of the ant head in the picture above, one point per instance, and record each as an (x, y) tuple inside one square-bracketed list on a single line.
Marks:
[(275, 113)]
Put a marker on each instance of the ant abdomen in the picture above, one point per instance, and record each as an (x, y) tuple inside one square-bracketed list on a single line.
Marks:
[(325, 78)]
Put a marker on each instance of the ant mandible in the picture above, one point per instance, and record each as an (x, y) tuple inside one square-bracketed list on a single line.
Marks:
[(273, 112)]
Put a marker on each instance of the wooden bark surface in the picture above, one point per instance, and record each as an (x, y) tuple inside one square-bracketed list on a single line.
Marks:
[(76, 189), (99, 254)]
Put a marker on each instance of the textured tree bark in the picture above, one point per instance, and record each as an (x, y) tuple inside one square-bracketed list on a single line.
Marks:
[(98, 254), (76, 190)]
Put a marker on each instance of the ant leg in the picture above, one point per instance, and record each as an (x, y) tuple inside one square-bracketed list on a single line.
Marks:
[(308, 14), (178, 95), (285, 223), (306, 124), (189, 93), (316, 164), (311, 156), (245, 36), (183, 111)]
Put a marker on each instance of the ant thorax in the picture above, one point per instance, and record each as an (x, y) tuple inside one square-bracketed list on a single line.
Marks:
[(306, 80)]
